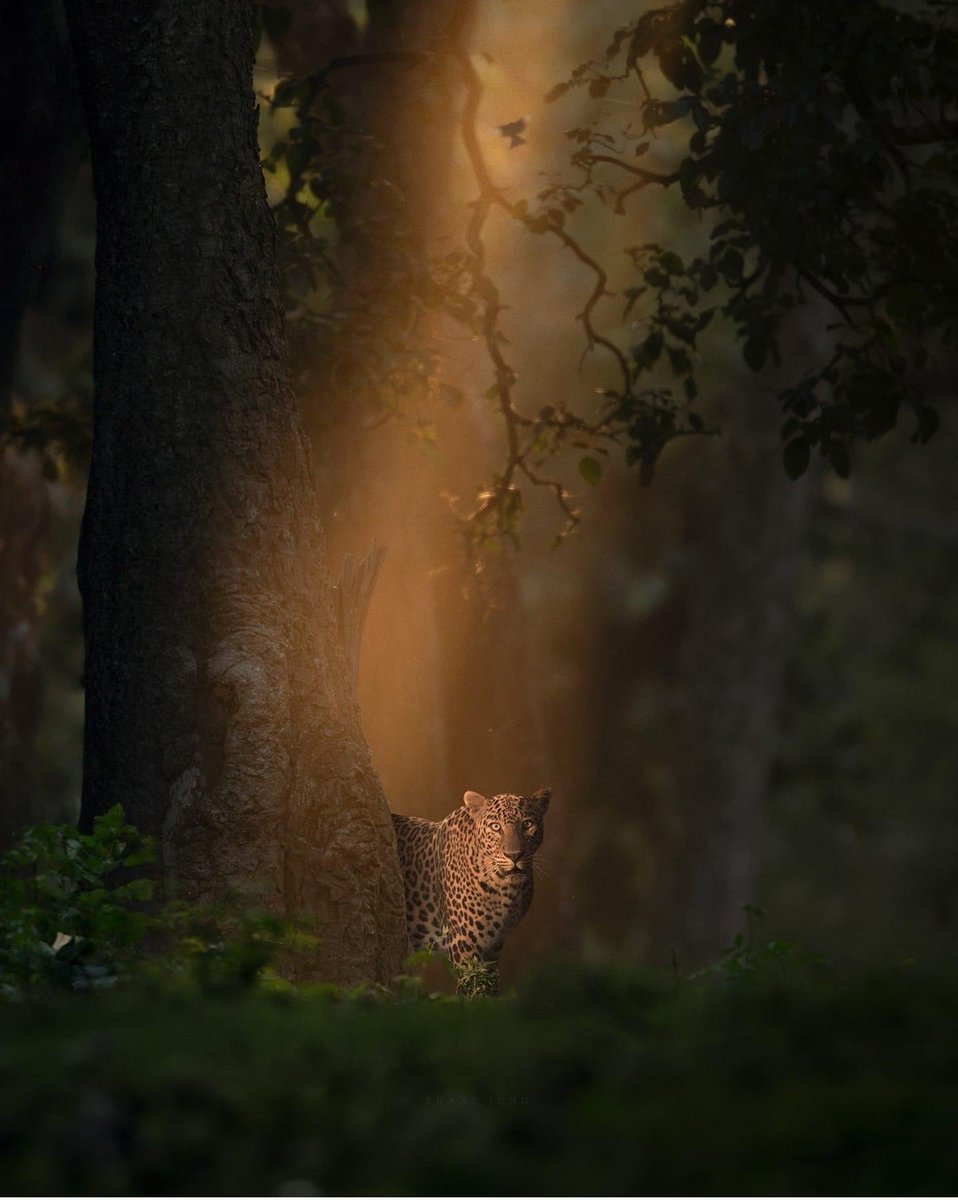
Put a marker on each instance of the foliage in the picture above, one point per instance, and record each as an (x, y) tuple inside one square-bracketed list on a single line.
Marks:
[(73, 913), (66, 915), (748, 959), (815, 141), (475, 978), (820, 148), (359, 284), (590, 1081)]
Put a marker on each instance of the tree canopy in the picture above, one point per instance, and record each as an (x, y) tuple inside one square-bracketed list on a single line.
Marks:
[(815, 142)]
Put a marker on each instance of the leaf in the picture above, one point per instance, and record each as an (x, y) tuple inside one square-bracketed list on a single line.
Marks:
[(591, 470), (709, 41), (136, 889), (796, 457), (671, 263), (554, 93)]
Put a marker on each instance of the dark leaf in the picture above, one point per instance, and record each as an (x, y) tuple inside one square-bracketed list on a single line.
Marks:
[(590, 469), (796, 457)]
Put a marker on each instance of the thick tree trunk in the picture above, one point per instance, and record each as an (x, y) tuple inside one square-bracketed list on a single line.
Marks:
[(220, 711)]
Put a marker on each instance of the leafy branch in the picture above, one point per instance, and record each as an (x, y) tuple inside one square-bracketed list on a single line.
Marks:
[(821, 151)]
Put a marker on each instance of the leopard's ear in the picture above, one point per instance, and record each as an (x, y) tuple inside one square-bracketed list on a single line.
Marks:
[(474, 802), (541, 799)]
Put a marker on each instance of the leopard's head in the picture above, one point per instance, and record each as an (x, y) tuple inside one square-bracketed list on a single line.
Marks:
[(508, 830)]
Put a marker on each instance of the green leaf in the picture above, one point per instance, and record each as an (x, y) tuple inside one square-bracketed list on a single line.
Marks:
[(136, 889), (591, 470)]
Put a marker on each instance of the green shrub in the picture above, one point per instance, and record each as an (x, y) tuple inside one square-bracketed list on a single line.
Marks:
[(66, 914), (75, 912)]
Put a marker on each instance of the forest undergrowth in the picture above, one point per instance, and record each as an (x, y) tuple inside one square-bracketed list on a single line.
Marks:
[(166, 1053)]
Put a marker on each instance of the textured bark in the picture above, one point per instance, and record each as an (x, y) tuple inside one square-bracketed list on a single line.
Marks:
[(220, 712)]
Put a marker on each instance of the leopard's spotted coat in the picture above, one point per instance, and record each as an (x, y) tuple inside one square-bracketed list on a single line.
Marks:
[(469, 877)]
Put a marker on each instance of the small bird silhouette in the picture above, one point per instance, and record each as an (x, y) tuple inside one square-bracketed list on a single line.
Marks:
[(513, 131)]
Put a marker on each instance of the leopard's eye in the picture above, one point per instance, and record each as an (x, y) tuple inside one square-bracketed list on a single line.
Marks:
[(528, 826), (495, 825)]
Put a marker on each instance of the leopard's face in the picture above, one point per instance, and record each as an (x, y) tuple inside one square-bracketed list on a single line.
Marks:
[(508, 831)]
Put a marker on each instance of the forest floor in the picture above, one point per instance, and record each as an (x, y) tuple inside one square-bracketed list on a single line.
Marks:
[(589, 1080)]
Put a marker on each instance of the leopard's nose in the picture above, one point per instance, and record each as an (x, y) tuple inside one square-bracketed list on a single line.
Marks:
[(513, 856)]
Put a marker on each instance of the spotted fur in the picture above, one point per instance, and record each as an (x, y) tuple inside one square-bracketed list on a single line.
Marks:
[(469, 877)]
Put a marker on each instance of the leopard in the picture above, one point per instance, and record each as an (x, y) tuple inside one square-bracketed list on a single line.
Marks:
[(468, 877)]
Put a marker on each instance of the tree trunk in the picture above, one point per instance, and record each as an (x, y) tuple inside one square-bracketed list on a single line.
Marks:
[(698, 575), (740, 577), (220, 711)]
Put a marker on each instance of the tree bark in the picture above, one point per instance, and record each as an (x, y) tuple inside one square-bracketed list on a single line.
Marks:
[(220, 711), (740, 577), (693, 642)]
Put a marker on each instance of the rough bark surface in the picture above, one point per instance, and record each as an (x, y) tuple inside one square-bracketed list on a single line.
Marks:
[(220, 711)]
